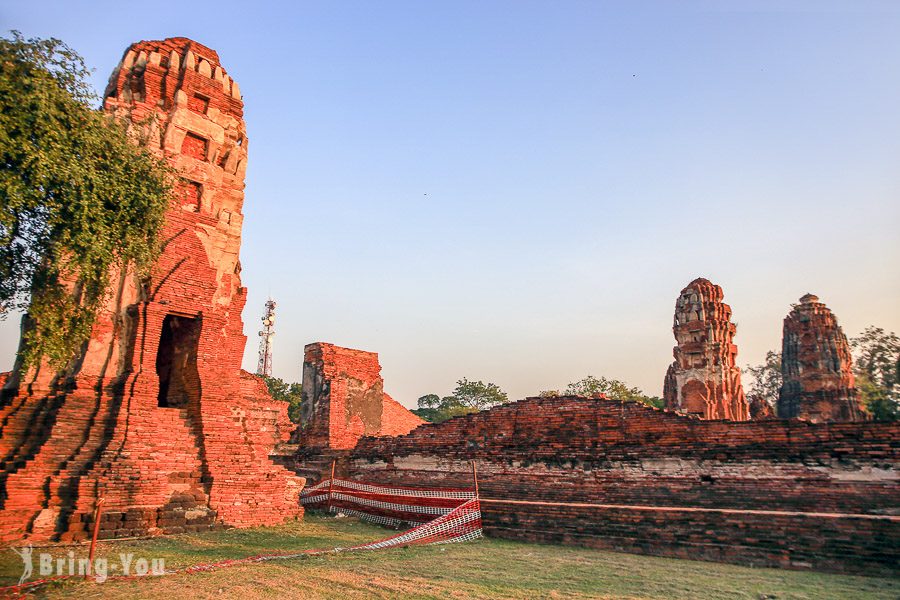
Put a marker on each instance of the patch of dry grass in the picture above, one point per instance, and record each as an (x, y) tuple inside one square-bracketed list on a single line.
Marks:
[(485, 569)]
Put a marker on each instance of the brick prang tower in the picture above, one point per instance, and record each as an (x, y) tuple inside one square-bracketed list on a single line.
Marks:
[(157, 417), (704, 379), (816, 367)]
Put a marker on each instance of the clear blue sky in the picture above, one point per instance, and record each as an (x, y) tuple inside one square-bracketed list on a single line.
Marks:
[(517, 191)]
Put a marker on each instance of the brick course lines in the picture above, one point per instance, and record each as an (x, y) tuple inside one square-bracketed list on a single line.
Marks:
[(624, 476)]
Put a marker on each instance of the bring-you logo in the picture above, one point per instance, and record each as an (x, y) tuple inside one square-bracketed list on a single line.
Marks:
[(47, 566)]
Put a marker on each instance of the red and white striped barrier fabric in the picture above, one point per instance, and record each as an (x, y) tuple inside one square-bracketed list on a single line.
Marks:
[(437, 514)]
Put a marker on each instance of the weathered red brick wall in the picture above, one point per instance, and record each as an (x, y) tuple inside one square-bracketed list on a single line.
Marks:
[(798, 541), (344, 399), (663, 483), (268, 417), (396, 419), (157, 418)]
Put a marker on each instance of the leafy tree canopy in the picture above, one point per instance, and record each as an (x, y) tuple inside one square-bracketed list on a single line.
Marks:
[(613, 388), (877, 355), (292, 393), (441, 409), (78, 198), (479, 395), (429, 401), (468, 397), (767, 378), (876, 364)]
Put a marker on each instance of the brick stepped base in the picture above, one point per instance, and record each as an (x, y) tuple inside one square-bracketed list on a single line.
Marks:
[(67, 459), (174, 494), (156, 468), (36, 474), (16, 419)]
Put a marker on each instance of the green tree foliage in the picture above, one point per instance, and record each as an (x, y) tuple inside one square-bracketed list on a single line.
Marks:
[(479, 395), (79, 200), (877, 400), (612, 388), (435, 409), (766, 378), (468, 397), (292, 393), (429, 401), (876, 365)]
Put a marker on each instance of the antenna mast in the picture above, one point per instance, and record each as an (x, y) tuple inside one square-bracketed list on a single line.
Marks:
[(264, 367)]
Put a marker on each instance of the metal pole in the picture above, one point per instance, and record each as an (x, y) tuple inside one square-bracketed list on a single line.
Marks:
[(475, 477), (97, 512), (331, 484)]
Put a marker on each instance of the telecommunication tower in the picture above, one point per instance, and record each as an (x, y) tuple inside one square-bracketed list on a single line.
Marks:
[(264, 367)]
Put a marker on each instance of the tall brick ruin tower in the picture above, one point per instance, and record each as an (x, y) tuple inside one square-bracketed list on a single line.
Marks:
[(157, 416), (816, 367), (704, 379)]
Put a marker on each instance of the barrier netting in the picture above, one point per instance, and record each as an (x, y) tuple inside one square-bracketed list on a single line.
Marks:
[(436, 515)]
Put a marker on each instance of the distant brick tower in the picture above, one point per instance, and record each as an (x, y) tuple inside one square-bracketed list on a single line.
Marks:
[(157, 417), (704, 379), (816, 367)]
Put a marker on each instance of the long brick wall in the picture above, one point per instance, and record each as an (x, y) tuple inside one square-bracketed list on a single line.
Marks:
[(623, 476)]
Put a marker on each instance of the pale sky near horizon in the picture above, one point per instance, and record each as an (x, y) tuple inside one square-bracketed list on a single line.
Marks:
[(517, 191)]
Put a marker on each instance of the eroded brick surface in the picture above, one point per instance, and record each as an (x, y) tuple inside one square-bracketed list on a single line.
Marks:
[(704, 380), (396, 419), (344, 399), (678, 485), (760, 408), (816, 367), (158, 418)]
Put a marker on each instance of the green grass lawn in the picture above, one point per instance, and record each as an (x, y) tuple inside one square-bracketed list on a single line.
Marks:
[(482, 569)]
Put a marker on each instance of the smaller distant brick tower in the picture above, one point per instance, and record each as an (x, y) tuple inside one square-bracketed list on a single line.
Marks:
[(704, 379), (816, 367)]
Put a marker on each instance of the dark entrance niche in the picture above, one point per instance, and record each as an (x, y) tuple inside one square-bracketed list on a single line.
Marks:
[(176, 362)]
